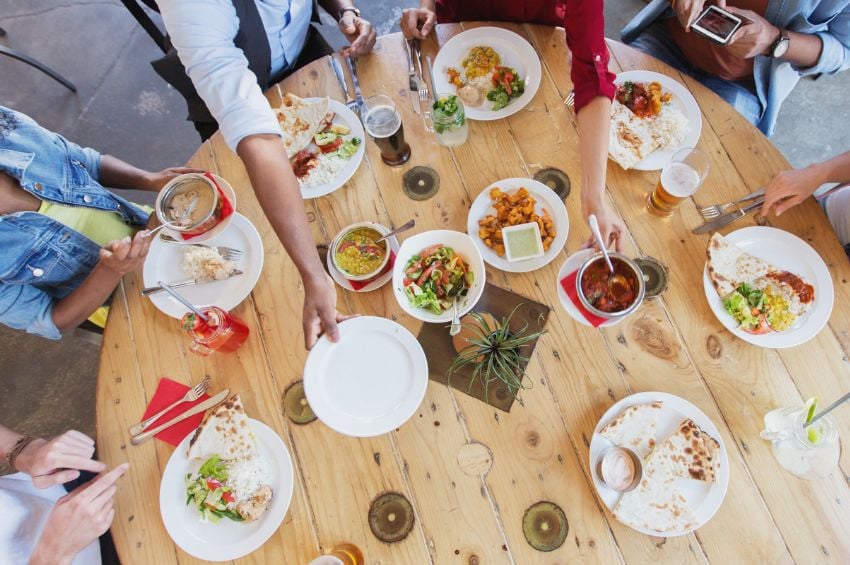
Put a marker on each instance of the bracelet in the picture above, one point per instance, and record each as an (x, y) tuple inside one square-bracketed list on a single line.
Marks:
[(20, 445)]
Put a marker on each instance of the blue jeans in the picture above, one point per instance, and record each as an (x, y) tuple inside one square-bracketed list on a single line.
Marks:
[(740, 94)]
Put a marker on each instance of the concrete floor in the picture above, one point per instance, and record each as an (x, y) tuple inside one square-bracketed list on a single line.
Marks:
[(123, 108)]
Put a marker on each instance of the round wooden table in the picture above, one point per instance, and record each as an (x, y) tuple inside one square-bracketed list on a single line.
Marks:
[(473, 514)]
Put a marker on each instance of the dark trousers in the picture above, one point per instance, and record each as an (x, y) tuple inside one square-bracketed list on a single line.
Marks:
[(315, 47)]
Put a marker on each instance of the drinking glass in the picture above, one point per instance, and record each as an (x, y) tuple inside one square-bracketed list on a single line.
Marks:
[(222, 332), (383, 124), (680, 178), (807, 452), (450, 128), (342, 554)]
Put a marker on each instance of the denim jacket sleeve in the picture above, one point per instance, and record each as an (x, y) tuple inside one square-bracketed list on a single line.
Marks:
[(89, 157), (835, 55), (25, 307)]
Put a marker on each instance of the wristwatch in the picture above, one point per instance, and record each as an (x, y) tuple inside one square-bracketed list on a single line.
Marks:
[(780, 46), (351, 9)]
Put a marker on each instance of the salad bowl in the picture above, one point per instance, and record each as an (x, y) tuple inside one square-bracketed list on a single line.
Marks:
[(420, 297)]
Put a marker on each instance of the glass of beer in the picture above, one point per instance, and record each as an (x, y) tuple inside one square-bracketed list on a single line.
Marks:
[(383, 124), (680, 178), (342, 554)]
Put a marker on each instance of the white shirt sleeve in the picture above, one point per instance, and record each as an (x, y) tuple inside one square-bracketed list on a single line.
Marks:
[(202, 32)]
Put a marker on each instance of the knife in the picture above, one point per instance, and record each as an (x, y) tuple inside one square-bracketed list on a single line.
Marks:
[(412, 79), (337, 69), (358, 96), (188, 282), (431, 77), (728, 217), (205, 405)]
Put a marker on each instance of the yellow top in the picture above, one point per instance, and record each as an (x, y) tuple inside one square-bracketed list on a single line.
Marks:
[(100, 226)]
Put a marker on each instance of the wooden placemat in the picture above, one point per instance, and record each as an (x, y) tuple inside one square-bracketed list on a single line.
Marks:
[(440, 350)]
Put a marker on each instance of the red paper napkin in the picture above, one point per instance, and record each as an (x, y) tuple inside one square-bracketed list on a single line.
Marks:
[(168, 392), (569, 284), (226, 207), (357, 285)]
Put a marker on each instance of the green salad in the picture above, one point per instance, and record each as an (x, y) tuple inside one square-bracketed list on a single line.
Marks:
[(209, 492), (434, 277), (506, 86)]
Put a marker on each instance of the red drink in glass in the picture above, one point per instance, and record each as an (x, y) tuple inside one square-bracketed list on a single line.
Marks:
[(222, 331)]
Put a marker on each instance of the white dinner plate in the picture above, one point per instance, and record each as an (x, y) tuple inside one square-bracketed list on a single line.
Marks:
[(340, 279), (704, 498), (227, 539), (573, 263), (345, 117), (546, 198), (513, 50), (164, 264), (683, 101), (368, 383), (786, 251)]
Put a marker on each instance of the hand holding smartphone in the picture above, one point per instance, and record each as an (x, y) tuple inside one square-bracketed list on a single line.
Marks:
[(718, 25)]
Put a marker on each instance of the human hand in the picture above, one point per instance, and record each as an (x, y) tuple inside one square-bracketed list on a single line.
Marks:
[(359, 33), (320, 313), (787, 189), (687, 11), (753, 38), (155, 181), (125, 255), (611, 227), (59, 460), (78, 519), (417, 23)]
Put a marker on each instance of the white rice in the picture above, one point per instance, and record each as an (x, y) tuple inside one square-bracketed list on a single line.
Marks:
[(205, 263), (246, 476), (669, 127), (327, 167)]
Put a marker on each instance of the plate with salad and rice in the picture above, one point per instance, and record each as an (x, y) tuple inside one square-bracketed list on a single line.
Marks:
[(323, 140), (434, 268), (767, 286), (226, 487), (495, 72)]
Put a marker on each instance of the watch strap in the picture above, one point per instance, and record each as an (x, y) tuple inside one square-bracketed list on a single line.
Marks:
[(351, 9)]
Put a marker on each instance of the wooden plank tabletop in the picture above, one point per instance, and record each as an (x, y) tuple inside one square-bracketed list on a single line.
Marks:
[(471, 513)]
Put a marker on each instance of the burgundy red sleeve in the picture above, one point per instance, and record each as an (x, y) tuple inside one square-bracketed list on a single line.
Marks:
[(585, 27)]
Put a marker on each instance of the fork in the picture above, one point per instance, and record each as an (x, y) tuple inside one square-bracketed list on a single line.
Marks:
[(340, 77), (359, 104), (715, 210), (228, 253), (191, 395), (570, 100), (423, 86)]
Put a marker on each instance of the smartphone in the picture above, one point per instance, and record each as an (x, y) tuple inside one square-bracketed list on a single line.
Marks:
[(717, 24)]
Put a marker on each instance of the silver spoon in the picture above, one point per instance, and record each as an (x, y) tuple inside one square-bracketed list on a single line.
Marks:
[(400, 229), (182, 300), (831, 407), (183, 217), (615, 280)]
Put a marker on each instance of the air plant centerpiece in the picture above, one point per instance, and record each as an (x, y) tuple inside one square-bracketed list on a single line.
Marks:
[(495, 353)]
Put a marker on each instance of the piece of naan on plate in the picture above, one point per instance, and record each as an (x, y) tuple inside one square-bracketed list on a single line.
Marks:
[(655, 504), (630, 139), (634, 428), (689, 453), (299, 121)]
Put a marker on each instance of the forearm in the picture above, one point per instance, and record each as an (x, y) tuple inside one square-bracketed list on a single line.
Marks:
[(429, 4), (804, 49), (48, 552), (279, 195), (593, 122), (334, 6), (836, 169), (116, 173), (8, 439), (73, 310)]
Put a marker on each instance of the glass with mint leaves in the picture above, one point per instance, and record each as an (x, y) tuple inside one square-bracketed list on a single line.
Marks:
[(448, 120)]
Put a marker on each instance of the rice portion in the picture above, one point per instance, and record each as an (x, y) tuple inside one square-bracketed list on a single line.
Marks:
[(247, 476), (327, 167), (205, 263), (669, 127)]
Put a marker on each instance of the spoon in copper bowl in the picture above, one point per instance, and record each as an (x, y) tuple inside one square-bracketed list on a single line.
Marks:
[(617, 283)]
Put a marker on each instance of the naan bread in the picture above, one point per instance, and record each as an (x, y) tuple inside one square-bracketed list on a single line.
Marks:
[(689, 453), (630, 138), (225, 432), (655, 504), (634, 428), (299, 121), (729, 265)]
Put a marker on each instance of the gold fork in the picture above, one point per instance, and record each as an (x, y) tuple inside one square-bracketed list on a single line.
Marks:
[(191, 395)]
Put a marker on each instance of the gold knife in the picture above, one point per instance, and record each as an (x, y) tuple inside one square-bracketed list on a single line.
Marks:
[(205, 405), (147, 291)]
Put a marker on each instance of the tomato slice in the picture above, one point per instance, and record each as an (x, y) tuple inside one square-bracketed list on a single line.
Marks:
[(332, 146), (228, 497), (761, 329)]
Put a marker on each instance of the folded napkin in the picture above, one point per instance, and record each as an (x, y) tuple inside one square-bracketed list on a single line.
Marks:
[(569, 284), (167, 393), (357, 285), (226, 207)]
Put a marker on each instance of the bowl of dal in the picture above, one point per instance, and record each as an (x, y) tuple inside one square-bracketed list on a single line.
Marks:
[(356, 254)]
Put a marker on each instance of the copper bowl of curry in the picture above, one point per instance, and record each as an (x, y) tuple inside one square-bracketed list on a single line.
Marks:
[(357, 254), (610, 299)]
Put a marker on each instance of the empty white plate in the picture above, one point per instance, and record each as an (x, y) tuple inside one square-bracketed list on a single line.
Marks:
[(368, 383)]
